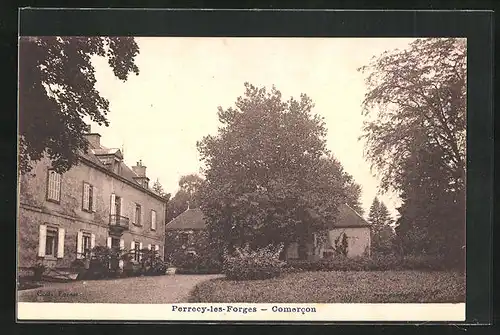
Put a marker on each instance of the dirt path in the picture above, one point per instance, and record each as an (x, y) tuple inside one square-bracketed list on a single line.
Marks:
[(141, 290)]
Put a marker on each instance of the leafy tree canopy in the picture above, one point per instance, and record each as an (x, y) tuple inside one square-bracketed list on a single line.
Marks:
[(417, 97), (57, 90), (415, 136), (269, 176), (187, 195)]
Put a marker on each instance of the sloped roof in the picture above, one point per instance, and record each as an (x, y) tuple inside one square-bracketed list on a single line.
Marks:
[(125, 172), (191, 218), (107, 151), (349, 218)]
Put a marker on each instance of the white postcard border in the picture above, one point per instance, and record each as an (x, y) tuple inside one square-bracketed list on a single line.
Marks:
[(427, 312)]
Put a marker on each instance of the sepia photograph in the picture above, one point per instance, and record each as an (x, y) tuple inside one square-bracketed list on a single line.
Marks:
[(238, 171)]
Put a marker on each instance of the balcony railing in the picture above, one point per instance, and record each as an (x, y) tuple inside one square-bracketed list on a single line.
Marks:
[(118, 222)]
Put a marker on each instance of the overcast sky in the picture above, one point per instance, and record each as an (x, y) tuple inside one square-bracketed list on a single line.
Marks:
[(159, 115)]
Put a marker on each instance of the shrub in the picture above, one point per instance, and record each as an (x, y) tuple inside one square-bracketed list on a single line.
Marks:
[(38, 270), (78, 265), (103, 262), (250, 264), (152, 264)]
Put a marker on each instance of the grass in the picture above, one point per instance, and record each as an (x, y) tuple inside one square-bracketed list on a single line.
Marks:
[(338, 287)]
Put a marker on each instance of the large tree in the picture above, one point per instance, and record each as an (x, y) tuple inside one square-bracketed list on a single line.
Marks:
[(417, 97), (57, 90), (415, 137), (269, 176)]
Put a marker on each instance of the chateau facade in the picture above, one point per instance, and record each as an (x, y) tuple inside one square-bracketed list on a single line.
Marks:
[(99, 202)]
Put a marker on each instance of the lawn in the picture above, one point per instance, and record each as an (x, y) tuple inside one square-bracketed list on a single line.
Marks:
[(338, 287)]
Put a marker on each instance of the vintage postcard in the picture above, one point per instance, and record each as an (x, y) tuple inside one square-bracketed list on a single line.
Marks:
[(241, 179)]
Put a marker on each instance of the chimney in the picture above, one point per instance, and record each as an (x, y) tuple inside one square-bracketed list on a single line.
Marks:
[(140, 171), (94, 140)]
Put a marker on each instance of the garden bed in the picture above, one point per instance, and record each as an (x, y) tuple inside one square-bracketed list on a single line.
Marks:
[(338, 287)]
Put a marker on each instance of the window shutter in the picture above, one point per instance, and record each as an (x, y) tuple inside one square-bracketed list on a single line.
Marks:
[(132, 247), (157, 247), (50, 184), (60, 243), (92, 241), (149, 246), (132, 215), (58, 186), (122, 244), (79, 245), (140, 248), (162, 255), (121, 206), (141, 222), (112, 204), (42, 239), (108, 242), (86, 196), (94, 199), (153, 219)]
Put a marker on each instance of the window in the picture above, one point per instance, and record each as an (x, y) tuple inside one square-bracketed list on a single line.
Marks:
[(84, 243), (89, 198), (118, 206), (153, 220), (51, 243), (137, 214), (115, 243), (53, 186), (137, 251)]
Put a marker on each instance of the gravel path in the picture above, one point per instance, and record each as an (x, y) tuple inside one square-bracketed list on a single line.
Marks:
[(140, 290)]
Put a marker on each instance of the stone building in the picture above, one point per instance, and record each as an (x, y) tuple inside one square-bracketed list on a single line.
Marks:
[(99, 202), (186, 234), (351, 224)]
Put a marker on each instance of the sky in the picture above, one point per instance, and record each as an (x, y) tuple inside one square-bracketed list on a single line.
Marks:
[(159, 115)]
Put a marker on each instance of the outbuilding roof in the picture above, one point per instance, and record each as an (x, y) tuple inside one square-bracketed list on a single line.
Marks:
[(191, 218), (349, 218)]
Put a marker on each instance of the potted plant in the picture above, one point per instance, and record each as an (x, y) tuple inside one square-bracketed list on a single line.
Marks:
[(38, 270)]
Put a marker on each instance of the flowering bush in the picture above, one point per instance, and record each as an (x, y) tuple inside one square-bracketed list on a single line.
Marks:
[(248, 264)]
